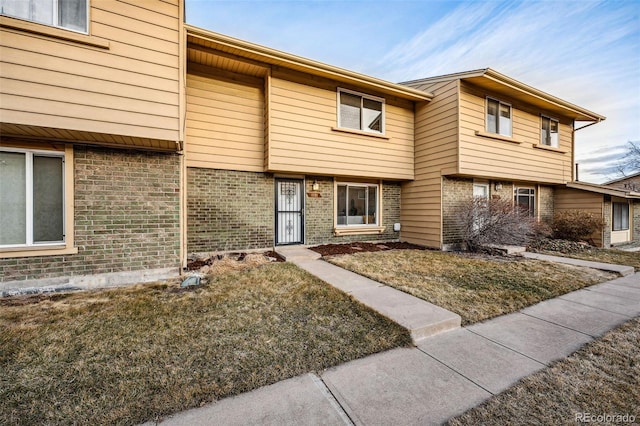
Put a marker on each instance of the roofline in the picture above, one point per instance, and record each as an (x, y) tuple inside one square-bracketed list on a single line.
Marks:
[(312, 67), (601, 189), (508, 81), (623, 178)]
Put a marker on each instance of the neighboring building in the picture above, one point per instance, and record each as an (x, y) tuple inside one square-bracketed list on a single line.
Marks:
[(629, 183), (486, 135), (130, 139), (619, 209), (91, 128)]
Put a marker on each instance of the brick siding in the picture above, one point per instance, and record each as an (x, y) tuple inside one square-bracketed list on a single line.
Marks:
[(126, 217), (229, 210)]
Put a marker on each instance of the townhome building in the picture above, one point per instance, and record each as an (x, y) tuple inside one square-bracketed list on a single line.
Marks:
[(129, 139)]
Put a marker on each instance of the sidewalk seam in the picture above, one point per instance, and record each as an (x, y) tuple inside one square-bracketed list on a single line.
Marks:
[(319, 382), (456, 371), (507, 347), (559, 325)]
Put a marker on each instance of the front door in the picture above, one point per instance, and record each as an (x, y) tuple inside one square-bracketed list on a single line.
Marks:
[(289, 211)]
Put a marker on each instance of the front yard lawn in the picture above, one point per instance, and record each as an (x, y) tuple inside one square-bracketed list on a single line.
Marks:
[(475, 287), (129, 355), (602, 378)]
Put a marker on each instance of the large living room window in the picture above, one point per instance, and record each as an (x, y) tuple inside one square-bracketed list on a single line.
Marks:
[(498, 117), (549, 132), (525, 200), (32, 208), (357, 204), (357, 111), (67, 14), (620, 216)]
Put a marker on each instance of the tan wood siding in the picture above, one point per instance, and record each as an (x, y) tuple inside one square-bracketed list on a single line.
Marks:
[(302, 113), (518, 160), (573, 199), (436, 141), (224, 120), (129, 89)]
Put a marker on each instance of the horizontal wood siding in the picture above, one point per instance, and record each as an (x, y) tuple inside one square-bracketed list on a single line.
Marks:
[(303, 111), (493, 158), (436, 138), (224, 120), (129, 89), (574, 199)]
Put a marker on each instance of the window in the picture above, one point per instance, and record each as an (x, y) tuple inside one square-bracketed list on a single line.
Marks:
[(480, 205), (498, 117), (620, 216), (31, 198), (549, 132), (360, 112), (68, 14), (357, 204), (525, 200)]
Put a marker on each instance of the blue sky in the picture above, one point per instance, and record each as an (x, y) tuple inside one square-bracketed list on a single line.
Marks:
[(586, 52)]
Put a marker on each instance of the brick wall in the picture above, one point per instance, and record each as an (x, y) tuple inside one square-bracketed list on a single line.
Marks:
[(126, 217), (545, 204), (635, 235), (229, 210), (608, 224), (454, 192)]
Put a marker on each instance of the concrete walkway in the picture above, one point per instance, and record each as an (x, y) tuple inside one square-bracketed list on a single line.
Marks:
[(443, 376), (623, 270)]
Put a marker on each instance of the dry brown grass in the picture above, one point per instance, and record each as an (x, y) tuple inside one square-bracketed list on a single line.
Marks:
[(475, 287), (601, 378), (126, 356)]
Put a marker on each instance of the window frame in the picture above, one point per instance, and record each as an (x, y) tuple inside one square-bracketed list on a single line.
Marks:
[(48, 248), (366, 198), (544, 138), (613, 216), (533, 207), (362, 96), (486, 117), (55, 13)]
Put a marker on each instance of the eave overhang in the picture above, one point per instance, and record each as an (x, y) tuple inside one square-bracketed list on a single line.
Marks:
[(603, 189), (498, 83), (209, 42)]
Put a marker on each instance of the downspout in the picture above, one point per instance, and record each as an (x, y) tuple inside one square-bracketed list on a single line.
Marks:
[(574, 169)]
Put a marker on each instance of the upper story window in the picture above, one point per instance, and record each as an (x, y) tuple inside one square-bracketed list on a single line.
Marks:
[(549, 132), (67, 14), (498, 117), (31, 198), (360, 112)]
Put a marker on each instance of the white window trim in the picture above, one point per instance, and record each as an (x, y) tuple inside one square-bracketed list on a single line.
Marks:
[(613, 217), (49, 248), (542, 117), (486, 116), (534, 196), (55, 13), (363, 96)]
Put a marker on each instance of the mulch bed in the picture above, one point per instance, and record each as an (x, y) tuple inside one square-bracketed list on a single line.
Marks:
[(195, 264), (351, 248)]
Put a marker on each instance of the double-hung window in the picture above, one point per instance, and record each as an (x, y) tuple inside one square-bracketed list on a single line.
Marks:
[(31, 198), (525, 200), (549, 132), (67, 14), (620, 216), (360, 112), (357, 204), (498, 117)]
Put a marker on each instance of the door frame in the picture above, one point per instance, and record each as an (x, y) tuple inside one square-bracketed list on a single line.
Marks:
[(301, 183)]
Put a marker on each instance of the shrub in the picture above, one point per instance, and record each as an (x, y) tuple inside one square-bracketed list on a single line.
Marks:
[(484, 222), (575, 225)]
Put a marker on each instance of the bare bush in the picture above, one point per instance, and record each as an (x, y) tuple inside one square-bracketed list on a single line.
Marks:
[(576, 225), (484, 222)]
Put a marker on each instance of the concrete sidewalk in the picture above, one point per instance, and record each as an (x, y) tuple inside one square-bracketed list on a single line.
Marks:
[(443, 376)]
